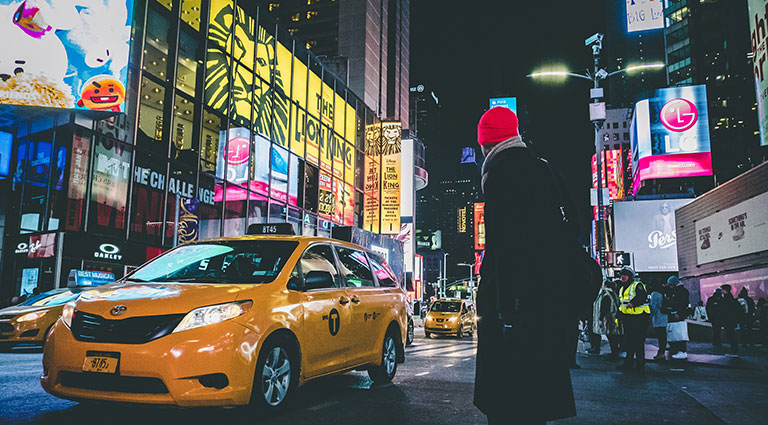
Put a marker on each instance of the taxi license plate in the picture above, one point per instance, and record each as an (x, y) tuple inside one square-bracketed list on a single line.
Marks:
[(101, 362)]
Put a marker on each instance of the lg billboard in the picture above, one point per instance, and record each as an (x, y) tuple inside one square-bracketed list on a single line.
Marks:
[(646, 230), (670, 135)]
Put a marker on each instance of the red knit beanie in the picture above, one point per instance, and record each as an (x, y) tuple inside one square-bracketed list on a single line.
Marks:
[(496, 125)]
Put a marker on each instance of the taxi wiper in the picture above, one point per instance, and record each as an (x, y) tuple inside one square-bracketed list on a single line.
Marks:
[(133, 279)]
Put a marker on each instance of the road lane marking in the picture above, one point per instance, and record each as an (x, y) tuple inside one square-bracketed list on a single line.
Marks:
[(323, 405), (462, 353), (422, 374)]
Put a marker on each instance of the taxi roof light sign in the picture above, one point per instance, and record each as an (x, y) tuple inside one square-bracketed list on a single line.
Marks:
[(271, 229)]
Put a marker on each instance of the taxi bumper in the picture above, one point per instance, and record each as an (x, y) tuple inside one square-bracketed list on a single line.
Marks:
[(441, 328), (170, 370), (17, 333)]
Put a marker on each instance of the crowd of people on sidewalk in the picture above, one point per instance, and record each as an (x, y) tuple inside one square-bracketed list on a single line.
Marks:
[(624, 309)]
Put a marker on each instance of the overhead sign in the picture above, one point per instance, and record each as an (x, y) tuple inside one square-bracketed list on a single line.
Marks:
[(507, 102), (647, 229), (670, 135), (643, 15), (758, 15), (390, 177), (739, 230), (65, 54), (89, 278)]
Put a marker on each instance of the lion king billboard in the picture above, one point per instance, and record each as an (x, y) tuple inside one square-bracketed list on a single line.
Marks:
[(65, 53)]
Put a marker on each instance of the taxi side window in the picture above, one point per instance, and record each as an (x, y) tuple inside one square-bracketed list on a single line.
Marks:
[(383, 273), (317, 263), (355, 268)]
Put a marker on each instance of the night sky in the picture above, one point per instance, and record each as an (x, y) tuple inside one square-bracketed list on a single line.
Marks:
[(468, 52)]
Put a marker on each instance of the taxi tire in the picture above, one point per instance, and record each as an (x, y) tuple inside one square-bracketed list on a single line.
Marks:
[(379, 374), (258, 401)]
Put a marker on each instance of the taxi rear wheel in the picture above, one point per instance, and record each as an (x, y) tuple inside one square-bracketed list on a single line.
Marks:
[(386, 371), (275, 377)]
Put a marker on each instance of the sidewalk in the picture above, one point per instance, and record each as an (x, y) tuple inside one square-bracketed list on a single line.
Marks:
[(703, 354)]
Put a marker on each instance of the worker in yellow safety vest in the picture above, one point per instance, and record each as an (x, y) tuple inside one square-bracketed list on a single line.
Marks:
[(634, 313)]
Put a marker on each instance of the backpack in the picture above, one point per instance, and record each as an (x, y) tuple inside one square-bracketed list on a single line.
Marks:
[(666, 302)]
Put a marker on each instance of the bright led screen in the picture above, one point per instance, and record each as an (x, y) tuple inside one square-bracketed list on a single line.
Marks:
[(65, 53)]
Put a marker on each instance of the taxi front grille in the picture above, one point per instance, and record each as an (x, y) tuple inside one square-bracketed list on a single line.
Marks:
[(133, 330), (6, 327), (110, 382)]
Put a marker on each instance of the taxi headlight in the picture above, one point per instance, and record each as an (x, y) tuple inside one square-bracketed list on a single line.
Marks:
[(209, 315), (67, 313), (31, 316), (453, 319)]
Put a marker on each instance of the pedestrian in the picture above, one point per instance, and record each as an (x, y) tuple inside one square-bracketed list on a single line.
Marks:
[(604, 310), (526, 315), (659, 319), (715, 313), (634, 313), (731, 311), (677, 327), (747, 316), (700, 313)]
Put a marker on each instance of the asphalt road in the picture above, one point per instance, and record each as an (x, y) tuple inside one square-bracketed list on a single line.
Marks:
[(434, 386)]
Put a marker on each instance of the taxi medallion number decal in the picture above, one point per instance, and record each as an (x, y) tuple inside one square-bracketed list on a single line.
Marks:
[(334, 321), (101, 362)]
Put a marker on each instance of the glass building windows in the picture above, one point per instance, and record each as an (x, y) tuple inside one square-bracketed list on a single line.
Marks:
[(156, 44), (184, 146), (151, 113), (213, 125), (147, 197), (190, 58), (190, 13), (109, 185), (241, 96)]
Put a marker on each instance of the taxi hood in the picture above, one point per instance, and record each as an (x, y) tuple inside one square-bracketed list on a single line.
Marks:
[(22, 309), (150, 299)]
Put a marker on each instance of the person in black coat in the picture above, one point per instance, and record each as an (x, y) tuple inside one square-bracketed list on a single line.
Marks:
[(524, 345)]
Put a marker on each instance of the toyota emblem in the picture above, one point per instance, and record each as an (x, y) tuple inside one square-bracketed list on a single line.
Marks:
[(118, 310)]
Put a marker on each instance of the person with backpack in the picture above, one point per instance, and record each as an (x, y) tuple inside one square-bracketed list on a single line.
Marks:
[(747, 317)]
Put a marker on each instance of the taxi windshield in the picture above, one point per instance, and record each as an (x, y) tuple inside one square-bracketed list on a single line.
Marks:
[(446, 307), (51, 298), (243, 262)]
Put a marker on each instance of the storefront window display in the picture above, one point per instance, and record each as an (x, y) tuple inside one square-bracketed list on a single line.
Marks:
[(187, 66), (109, 185)]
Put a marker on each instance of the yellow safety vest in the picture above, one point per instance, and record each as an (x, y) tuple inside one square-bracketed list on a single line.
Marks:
[(626, 295)]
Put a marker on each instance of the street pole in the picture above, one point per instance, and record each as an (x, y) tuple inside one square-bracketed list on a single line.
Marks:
[(598, 123), (445, 275)]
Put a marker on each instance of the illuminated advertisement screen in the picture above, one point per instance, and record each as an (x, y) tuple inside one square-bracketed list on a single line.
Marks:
[(6, 142), (479, 226), (757, 16), (646, 230), (612, 172), (507, 102), (65, 54), (643, 15), (670, 135)]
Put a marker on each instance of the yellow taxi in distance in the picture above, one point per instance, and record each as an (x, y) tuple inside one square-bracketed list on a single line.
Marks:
[(28, 323), (450, 317), (230, 321)]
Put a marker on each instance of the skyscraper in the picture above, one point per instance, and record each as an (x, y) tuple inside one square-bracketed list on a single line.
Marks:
[(366, 42), (708, 43)]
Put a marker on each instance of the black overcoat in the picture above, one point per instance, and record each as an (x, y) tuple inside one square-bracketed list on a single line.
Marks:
[(527, 297)]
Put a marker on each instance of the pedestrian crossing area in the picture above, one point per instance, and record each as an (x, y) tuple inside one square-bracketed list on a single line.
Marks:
[(443, 347)]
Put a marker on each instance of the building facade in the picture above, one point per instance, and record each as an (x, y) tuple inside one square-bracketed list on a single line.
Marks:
[(365, 41), (228, 121)]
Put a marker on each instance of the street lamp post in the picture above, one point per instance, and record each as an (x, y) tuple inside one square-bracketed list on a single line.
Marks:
[(471, 275), (597, 117), (445, 275)]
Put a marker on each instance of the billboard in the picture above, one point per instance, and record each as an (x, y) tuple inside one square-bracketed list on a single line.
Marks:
[(670, 135), (739, 230), (646, 230), (507, 102), (391, 148), (479, 226), (65, 54), (643, 15), (612, 172), (758, 14)]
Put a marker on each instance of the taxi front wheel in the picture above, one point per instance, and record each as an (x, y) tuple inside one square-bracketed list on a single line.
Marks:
[(276, 375), (386, 371)]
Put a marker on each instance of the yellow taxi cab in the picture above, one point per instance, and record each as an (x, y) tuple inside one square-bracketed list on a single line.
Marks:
[(28, 323), (450, 317), (230, 321)]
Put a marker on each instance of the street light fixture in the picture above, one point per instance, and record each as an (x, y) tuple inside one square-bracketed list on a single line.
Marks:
[(597, 115), (471, 275)]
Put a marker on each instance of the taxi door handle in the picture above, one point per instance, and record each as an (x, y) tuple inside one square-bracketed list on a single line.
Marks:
[(343, 300), (355, 300)]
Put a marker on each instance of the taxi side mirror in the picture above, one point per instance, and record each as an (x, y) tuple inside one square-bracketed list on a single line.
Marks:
[(318, 280)]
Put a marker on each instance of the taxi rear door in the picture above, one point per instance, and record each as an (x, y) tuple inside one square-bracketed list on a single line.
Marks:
[(327, 317), (367, 303)]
